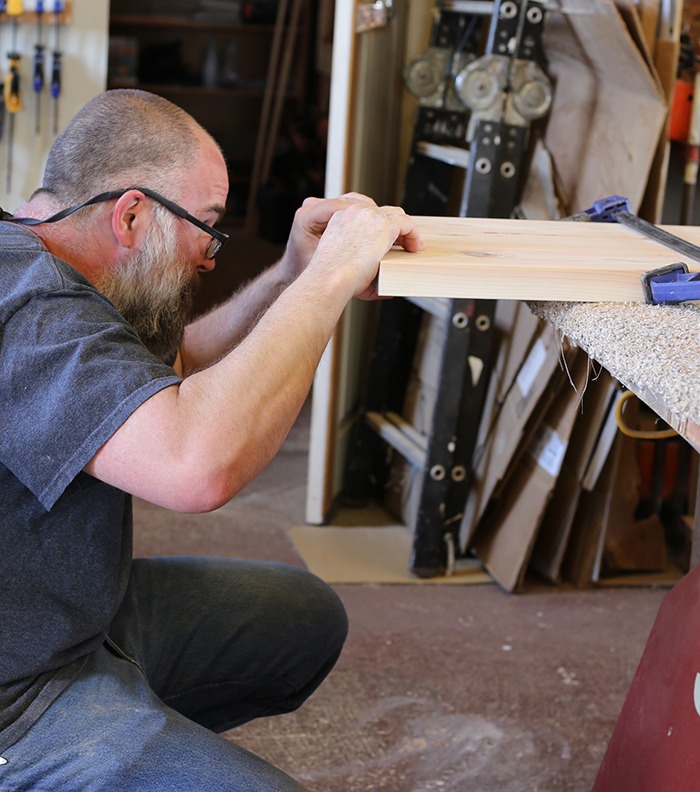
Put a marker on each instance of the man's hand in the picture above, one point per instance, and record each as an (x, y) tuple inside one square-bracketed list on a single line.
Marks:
[(310, 221), (356, 238)]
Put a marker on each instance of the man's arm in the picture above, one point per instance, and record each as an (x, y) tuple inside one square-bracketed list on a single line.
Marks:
[(192, 447), (211, 336), (215, 333)]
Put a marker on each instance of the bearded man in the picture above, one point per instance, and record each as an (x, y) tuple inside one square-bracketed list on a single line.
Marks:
[(119, 673)]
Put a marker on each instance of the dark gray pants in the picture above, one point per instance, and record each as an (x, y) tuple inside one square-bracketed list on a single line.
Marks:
[(199, 646)]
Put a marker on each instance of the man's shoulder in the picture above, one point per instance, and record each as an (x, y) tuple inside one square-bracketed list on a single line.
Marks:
[(28, 269)]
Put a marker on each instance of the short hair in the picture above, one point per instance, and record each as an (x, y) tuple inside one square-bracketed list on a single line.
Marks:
[(122, 138)]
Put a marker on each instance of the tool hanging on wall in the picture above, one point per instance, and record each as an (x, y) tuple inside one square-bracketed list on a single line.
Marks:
[(38, 81), (3, 9), (13, 99), (56, 64)]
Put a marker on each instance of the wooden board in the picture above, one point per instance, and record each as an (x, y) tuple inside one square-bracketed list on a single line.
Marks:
[(602, 89), (489, 258)]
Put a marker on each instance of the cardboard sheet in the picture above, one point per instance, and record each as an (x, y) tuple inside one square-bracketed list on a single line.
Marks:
[(370, 554), (505, 544)]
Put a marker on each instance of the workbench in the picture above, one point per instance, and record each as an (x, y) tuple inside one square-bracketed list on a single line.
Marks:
[(653, 351), (650, 349)]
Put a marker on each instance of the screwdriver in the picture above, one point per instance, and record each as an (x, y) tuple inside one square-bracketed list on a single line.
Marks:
[(13, 100), (56, 66), (3, 8), (14, 9), (38, 64)]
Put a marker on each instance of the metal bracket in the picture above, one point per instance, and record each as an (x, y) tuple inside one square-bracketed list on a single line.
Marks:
[(373, 15)]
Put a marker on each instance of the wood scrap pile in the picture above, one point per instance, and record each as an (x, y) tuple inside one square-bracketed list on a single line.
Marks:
[(559, 492)]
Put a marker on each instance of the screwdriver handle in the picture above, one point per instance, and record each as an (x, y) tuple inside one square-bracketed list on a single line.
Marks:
[(13, 100), (56, 75), (39, 67)]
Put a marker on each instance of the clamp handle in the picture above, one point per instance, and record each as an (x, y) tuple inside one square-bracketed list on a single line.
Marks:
[(605, 209)]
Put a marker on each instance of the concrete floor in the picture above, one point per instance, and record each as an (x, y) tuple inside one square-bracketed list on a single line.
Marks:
[(450, 688)]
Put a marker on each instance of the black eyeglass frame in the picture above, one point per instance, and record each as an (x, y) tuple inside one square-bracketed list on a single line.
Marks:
[(218, 238)]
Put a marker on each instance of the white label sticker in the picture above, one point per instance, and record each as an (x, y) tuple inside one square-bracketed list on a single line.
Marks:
[(531, 367), (548, 450)]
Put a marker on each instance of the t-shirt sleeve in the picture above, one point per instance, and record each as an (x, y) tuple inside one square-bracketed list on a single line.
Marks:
[(72, 372)]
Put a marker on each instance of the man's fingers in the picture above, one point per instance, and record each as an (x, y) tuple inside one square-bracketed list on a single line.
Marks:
[(321, 210), (408, 236), (355, 197)]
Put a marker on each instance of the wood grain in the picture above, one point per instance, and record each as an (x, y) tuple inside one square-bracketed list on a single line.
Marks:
[(489, 258)]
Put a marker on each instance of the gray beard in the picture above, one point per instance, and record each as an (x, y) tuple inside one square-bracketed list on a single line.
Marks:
[(159, 324), (154, 290)]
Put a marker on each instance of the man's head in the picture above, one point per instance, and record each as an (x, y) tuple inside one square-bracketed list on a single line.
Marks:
[(117, 139), (140, 254)]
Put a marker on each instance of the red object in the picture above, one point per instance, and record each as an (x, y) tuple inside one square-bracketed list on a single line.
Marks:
[(655, 746), (681, 106)]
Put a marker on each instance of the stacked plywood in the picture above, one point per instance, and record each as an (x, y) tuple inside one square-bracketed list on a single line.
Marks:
[(567, 503), (557, 490)]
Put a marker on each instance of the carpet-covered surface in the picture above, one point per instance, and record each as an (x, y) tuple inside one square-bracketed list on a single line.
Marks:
[(650, 348)]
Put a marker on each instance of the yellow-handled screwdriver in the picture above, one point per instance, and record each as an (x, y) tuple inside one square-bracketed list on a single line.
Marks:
[(13, 99), (13, 104)]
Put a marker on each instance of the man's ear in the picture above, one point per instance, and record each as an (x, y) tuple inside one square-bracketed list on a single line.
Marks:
[(131, 218)]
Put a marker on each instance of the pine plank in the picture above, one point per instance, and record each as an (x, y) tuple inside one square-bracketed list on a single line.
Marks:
[(491, 258)]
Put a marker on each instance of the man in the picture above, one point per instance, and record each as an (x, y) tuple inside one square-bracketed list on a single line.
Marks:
[(115, 674)]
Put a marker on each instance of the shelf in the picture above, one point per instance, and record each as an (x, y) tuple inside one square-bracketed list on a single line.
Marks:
[(49, 17), (198, 90), (177, 88), (182, 23)]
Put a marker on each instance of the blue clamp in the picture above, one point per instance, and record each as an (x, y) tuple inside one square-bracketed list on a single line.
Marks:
[(605, 209), (671, 284)]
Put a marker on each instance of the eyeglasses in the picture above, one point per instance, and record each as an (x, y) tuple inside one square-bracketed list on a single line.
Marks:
[(218, 238)]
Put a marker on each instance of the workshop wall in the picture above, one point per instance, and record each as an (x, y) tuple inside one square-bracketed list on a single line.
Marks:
[(84, 46)]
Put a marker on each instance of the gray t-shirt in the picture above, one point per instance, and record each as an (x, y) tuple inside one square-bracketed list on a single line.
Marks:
[(71, 372)]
